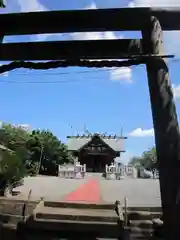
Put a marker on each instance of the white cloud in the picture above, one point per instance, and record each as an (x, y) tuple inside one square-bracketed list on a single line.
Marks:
[(91, 6), (25, 127), (170, 37), (139, 132), (115, 73), (124, 73), (131, 4), (5, 74), (35, 6), (176, 91), (92, 35), (31, 6), (154, 3)]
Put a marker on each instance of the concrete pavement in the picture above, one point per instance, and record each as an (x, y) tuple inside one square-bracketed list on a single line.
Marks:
[(138, 191)]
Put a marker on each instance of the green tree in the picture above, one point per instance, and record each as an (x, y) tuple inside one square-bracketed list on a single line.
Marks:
[(135, 161), (14, 156), (148, 159), (12, 170), (2, 5), (15, 139), (47, 151), (39, 151)]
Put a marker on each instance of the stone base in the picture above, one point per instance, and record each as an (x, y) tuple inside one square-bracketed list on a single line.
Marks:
[(111, 176)]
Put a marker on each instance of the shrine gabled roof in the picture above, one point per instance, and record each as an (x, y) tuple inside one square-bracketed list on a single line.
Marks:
[(77, 142)]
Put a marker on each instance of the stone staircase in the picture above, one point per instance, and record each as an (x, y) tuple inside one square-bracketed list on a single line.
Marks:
[(11, 210), (78, 218), (93, 175), (100, 219), (10, 215), (141, 221)]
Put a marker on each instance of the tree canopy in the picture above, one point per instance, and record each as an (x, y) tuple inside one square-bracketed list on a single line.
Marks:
[(12, 169), (147, 160), (2, 5), (39, 151), (15, 139), (48, 150)]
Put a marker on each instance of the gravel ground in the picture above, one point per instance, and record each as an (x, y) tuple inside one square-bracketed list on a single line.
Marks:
[(138, 191), (51, 188)]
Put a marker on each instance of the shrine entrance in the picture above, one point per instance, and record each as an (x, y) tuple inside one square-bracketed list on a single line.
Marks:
[(96, 154), (96, 162)]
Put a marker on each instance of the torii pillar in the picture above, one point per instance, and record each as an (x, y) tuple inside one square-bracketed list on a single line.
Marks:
[(167, 135)]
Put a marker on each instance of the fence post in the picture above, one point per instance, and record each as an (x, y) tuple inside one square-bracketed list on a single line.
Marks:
[(125, 211)]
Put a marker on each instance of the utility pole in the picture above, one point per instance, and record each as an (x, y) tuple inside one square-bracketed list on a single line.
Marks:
[(40, 158)]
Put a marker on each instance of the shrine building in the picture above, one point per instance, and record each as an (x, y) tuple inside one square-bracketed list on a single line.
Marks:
[(96, 150)]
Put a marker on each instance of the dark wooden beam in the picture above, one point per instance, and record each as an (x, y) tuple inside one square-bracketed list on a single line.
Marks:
[(167, 135), (60, 50), (87, 20)]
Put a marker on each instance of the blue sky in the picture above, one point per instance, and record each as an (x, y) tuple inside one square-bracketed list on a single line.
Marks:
[(66, 100)]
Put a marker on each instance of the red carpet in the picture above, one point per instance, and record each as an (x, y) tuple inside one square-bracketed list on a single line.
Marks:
[(89, 192)]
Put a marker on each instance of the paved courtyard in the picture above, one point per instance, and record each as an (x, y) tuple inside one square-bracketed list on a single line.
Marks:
[(138, 191)]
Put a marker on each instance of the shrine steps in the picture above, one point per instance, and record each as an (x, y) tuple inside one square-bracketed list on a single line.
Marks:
[(90, 214), (102, 205), (69, 218), (93, 218)]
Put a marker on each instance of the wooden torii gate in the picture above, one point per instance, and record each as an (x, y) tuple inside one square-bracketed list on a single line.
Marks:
[(148, 50)]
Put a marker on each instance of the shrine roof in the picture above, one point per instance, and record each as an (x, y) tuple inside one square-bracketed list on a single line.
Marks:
[(114, 142)]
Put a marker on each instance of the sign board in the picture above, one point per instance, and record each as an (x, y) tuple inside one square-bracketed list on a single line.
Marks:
[(95, 149)]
